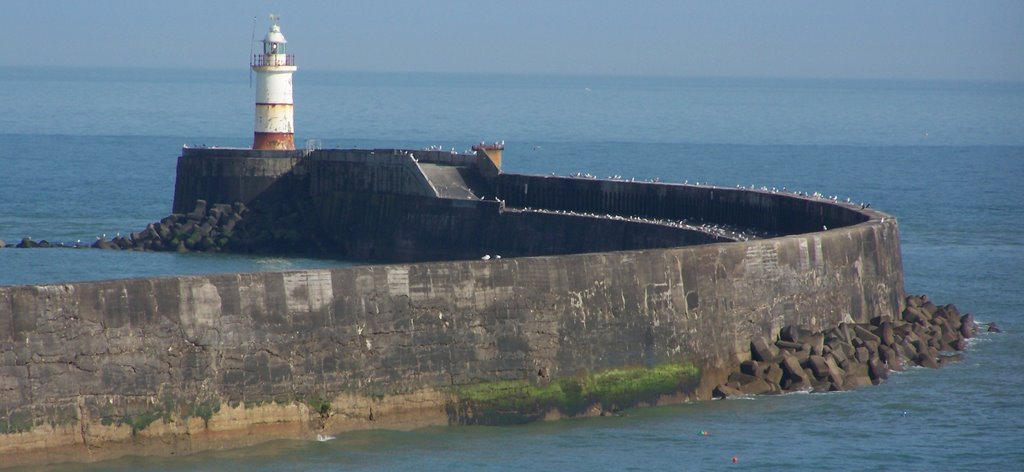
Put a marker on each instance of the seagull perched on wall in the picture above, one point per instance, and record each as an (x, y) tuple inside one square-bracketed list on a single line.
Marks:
[(486, 257)]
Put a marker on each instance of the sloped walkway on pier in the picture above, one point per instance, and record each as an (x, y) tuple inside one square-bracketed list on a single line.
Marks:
[(456, 181)]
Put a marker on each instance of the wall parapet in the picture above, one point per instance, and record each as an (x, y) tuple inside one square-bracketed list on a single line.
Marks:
[(602, 281), (108, 356)]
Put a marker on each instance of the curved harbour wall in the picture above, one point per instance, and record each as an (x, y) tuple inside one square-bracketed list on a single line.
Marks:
[(393, 205), (178, 364)]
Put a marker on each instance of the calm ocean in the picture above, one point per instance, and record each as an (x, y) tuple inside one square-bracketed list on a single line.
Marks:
[(90, 152)]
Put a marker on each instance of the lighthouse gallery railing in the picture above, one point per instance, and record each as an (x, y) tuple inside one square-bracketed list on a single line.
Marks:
[(261, 60)]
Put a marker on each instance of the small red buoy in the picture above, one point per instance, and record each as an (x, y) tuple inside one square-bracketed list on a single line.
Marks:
[(735, 460)]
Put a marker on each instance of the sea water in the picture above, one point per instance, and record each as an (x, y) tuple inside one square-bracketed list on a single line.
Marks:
[(88, 152)]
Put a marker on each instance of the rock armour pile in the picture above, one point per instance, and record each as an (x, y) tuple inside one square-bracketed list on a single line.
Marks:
[(852, 355), (207, 228)]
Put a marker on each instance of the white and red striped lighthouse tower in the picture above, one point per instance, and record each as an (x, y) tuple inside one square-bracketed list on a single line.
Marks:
[(275, 117)]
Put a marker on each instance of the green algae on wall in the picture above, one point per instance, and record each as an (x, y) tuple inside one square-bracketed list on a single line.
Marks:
[(169, 410), (518, 401), (320, 405), (204, 409), (23, 420), (17, 422)]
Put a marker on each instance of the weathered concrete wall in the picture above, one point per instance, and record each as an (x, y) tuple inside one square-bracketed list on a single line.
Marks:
[(245, 175), (398, 228), (229, 175), (377, 205), (173, 365), (776, 212), (185, 363)]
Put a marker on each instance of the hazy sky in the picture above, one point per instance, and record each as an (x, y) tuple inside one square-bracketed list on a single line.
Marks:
[(976, 39)]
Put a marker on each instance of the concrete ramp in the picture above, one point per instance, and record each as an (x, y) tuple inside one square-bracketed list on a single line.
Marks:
[(457, 182)]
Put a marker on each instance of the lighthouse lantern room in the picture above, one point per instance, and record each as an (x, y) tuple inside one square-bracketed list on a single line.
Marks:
[(275, 118)]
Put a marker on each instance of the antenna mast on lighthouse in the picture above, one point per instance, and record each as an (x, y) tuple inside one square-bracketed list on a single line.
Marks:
[(275, 117)]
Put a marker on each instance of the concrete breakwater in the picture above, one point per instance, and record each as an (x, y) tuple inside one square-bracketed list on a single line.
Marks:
[(608, 296), (174, 365), (392, 205), (407, 206)]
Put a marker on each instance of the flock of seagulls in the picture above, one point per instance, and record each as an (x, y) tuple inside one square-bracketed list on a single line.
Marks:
[(763, 188), (440, 148), (587, 175), (718, 230)]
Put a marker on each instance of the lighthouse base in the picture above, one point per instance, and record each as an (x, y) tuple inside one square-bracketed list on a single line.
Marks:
[(276, 141)]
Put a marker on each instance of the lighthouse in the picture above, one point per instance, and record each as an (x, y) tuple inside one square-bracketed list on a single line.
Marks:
[(275, 118)]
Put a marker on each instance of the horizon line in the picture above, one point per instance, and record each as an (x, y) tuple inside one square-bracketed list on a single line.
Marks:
[(530, 74)]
